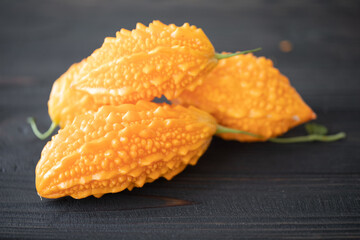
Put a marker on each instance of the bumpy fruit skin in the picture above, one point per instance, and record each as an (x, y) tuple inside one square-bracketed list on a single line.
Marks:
[(65, 103), (248, 93), (145, 63), (121, 147), (136, 65)]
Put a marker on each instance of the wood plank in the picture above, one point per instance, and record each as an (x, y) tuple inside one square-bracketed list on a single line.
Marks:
[(198, 204)]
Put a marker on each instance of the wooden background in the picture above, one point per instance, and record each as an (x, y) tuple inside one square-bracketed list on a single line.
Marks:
[(237, 190)]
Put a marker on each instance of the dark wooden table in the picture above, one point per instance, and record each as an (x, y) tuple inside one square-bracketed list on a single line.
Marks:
[(237, 190)]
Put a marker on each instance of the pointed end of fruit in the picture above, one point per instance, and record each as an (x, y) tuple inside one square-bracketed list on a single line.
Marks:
[(313, 116)]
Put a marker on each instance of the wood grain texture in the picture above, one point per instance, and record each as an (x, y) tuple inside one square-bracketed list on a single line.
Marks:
[(236, 191)]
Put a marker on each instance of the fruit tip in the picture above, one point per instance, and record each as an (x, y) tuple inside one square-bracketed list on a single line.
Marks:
[(313, 116)]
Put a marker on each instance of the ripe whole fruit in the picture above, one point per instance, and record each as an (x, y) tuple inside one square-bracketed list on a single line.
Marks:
[(121, 147), (142, 64), (248, 93)]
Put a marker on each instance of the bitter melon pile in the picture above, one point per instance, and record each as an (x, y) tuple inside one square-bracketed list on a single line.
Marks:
[(113, 137)]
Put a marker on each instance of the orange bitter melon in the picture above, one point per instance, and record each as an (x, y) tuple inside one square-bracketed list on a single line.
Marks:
[(248, 93), (121, 147), (145, 63)]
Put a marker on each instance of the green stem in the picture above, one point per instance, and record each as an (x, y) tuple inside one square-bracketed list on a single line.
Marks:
[(221, 129), (36, 131), (223, 56), (309, 138)]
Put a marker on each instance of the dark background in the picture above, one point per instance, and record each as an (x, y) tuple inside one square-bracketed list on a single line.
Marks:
[(237, 190)]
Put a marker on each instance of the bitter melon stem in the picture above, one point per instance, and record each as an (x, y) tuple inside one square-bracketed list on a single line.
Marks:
[(222, 129), (227, 55), (36, 131), (309, 138)]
